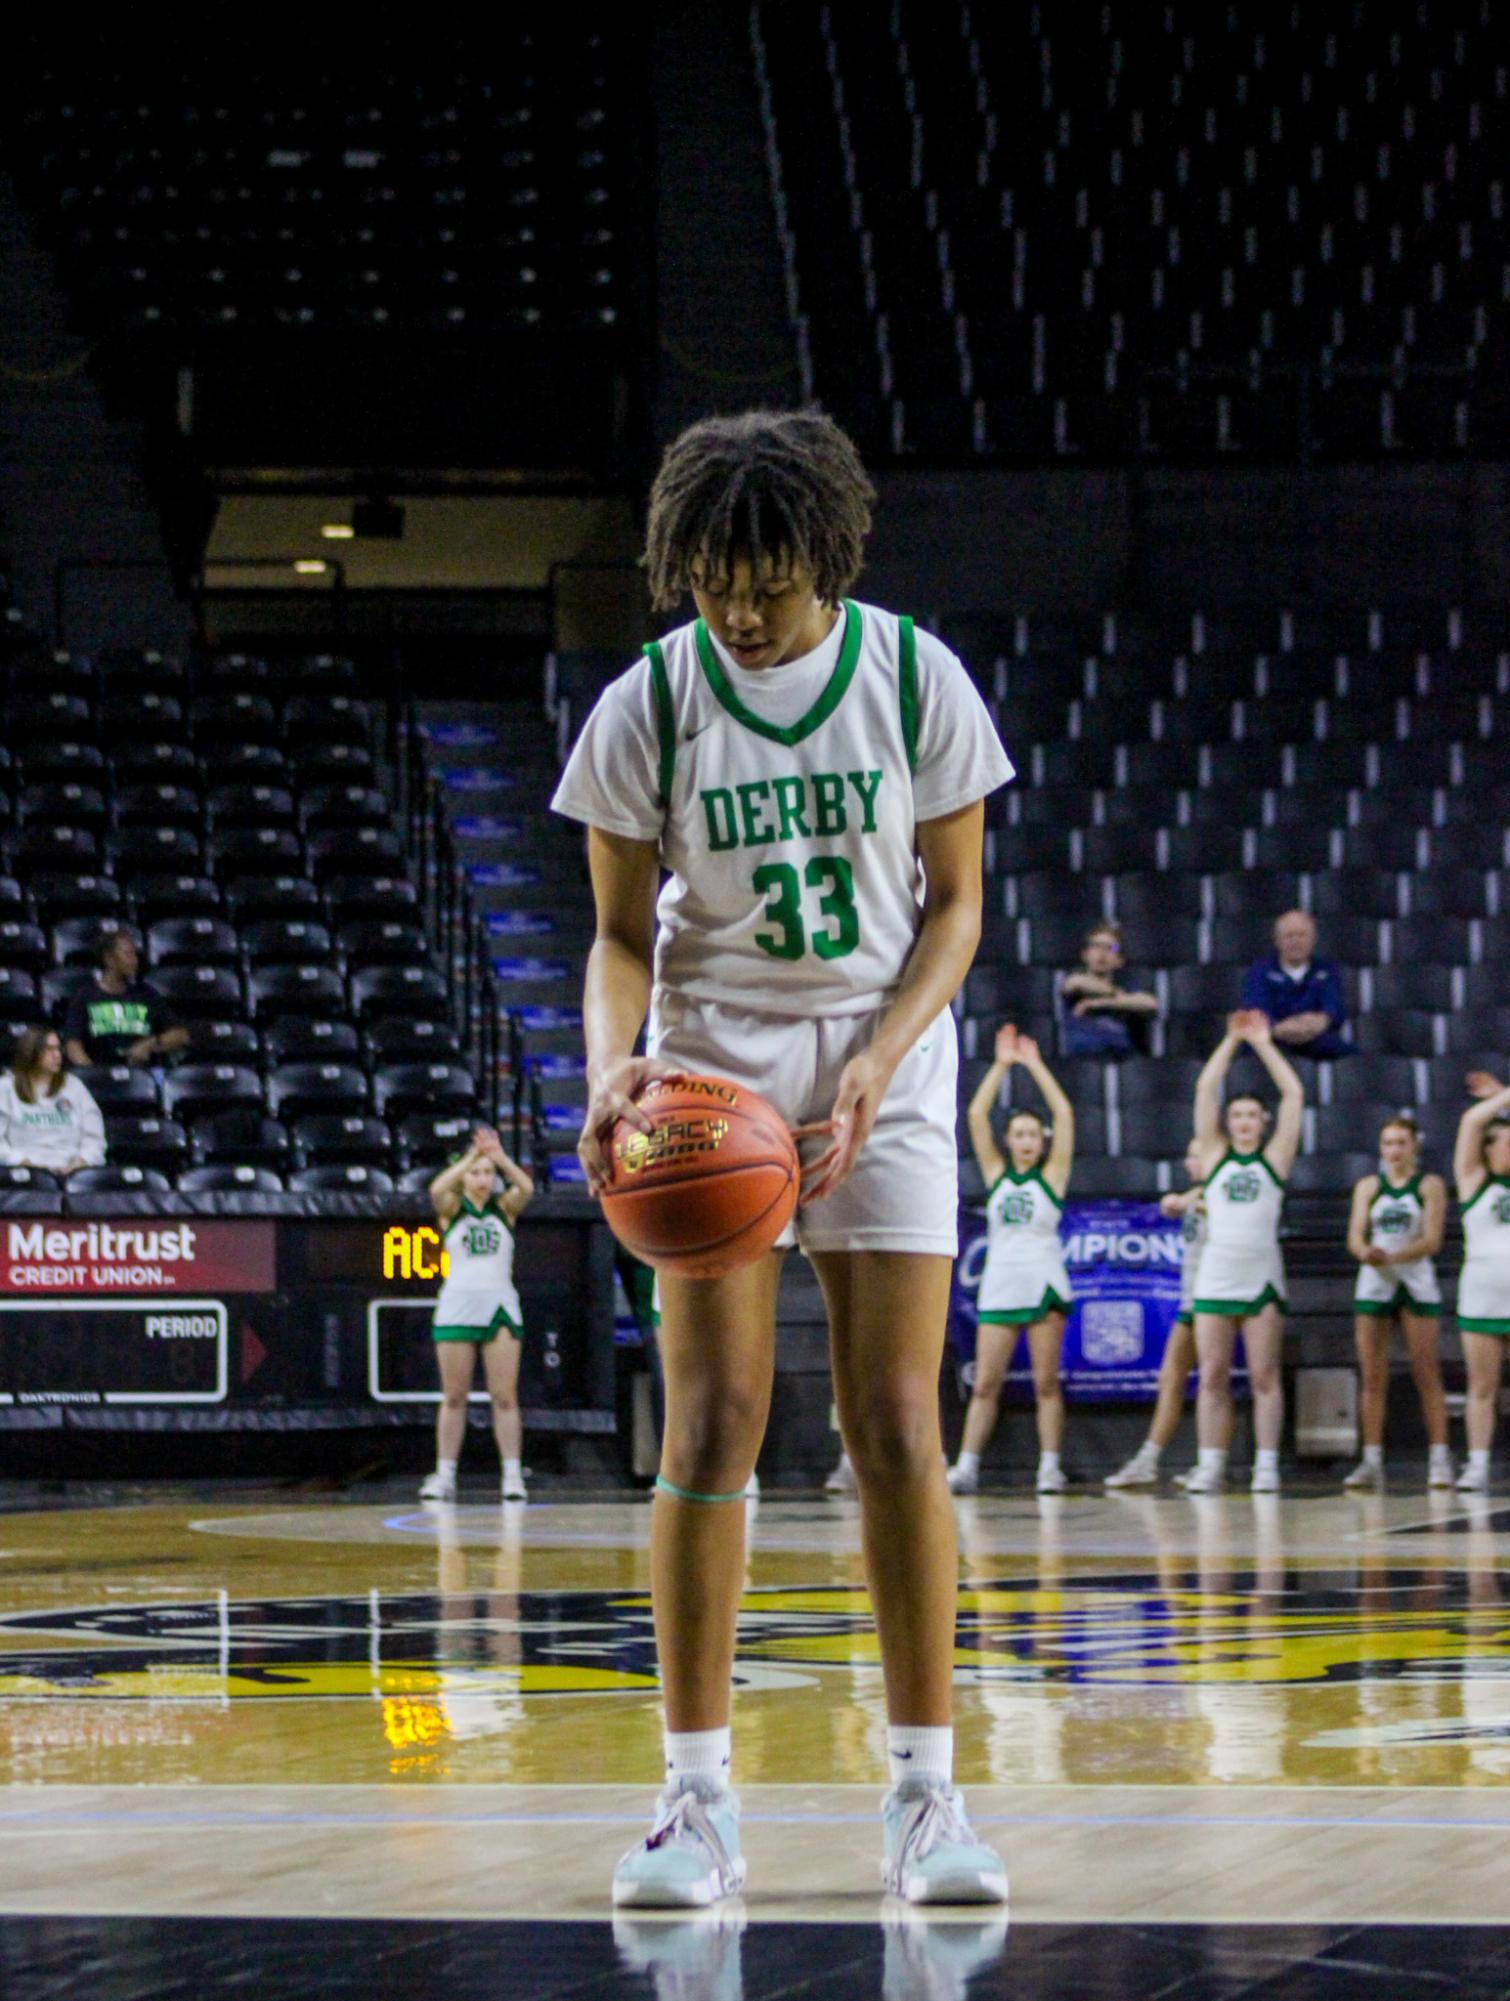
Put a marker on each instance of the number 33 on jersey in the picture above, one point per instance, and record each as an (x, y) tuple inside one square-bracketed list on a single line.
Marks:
[(794, 882)]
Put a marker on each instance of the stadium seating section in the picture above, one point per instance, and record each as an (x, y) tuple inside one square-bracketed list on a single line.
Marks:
[(462, 182), (236, 814), (1210, 230)]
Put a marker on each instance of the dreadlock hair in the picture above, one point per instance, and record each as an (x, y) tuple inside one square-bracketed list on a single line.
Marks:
[(769, 481)]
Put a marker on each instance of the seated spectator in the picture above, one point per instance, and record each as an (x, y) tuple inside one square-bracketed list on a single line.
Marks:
[(47, 1118), (1096, 1016), (115, 1018), (1299, 992)]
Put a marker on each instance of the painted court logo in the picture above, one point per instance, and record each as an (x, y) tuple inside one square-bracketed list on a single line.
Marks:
[(1139, 1631)]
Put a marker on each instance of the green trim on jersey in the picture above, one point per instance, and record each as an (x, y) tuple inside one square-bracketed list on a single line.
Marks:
[(907, 687), (822, 709), (1489, 1181), (1483, 1326), (1400, 1302), (1022, 1180), (1259, 1159), (481, 1336), (492, 1207), (1240, 1309), (1411, 1187), (665, 720), (1024, 1316)]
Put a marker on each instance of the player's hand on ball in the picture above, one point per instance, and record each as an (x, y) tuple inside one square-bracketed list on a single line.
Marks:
[(862, 1086), (611, 1096)]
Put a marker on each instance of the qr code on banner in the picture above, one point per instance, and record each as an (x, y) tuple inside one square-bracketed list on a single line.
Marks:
[(1111, 1330)]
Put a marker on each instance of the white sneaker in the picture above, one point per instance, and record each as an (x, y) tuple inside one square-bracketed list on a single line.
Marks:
[(1051, 1479), (1184, 1479), (1473, 1479), (514, 1488), (1205, 1480), (1365, 1479), (1265, 1480), (1140, 1471), (932, 1855), (438, 1487), (1440, 1472), (752, 1487), (962, 1480), (842, 1479), (689, 1858)]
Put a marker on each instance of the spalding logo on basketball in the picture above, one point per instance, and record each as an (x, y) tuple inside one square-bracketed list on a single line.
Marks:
[(710, 1187)]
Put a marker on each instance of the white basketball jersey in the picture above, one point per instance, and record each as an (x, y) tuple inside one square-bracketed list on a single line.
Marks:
[(1022, 1220), (1486, 1227), (794, 882), (1243, 1199)]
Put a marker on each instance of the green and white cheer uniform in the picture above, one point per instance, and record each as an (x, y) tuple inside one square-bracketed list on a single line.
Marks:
[(478, 1298), (1394, 1218), (1484, 1287), (1192, 1243), (1240, 1268), (1024, 1276), (784, 802)]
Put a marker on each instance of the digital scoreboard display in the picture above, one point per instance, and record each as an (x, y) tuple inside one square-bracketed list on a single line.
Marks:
[(113, 1351)]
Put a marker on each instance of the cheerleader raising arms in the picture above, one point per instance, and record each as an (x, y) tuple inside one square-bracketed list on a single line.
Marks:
[(1241, 1281), (1024, 1284), (1481, 1169)]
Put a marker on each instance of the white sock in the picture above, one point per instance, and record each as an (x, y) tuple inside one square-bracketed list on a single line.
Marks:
[(1213, 1456), (703, 1755), (1149, 1453), (1373, 1455), (446, 1468), (968, 1462), (1479, 1461), (513, 1471), (1048, 1462), (920, 1752), (1266, 1459), (1440, 1455)]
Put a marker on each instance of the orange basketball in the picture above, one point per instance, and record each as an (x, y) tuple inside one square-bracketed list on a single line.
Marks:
[(710, 1187)]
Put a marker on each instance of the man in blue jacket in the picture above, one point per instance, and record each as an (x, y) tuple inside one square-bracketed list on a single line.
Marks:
[(1299, 992)]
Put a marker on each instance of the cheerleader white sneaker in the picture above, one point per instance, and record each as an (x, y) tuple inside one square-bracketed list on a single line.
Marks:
[(514, 1488), (1051, 1479), (1140, 1471), (1440, 1472), (690, 1858), (1205, 1480), (1265, 1480), (842, 1479), (963, 1480), (438, 1486), (1473, 1479), (1365, 1479), (932, 1855)]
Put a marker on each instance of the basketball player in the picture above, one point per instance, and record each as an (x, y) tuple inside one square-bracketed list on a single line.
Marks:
[(1240, 1284), (1394, 1231), (1481, 1168), (1189, 1206), (477, 1308), (810, 774), (1024, 1284)]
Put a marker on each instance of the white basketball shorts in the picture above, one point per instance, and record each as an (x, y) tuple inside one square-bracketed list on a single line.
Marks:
[(903, 1192)]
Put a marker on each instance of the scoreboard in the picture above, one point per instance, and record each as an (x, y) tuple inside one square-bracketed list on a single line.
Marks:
[(112, 1351)]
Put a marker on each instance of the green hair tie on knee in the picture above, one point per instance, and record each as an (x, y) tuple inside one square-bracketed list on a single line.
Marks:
[(686, 1493)]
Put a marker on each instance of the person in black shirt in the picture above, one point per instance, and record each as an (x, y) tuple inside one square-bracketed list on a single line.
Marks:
[(115, 1018)]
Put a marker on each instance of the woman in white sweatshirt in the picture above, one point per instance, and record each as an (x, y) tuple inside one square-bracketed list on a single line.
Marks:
[(47, 1118)]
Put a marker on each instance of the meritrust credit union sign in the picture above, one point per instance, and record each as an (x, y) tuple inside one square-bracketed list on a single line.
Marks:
[(44, 1255)]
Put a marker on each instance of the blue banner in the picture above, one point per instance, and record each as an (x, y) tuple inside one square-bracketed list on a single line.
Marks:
[(531, 969), (557, 1065), (519, 923), (474, 778), (543, 1019), (485, 827), (1124, 1266), (459, 736)]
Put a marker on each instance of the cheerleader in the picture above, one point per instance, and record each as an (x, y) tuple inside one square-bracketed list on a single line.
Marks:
[(1394, 1231), (1024, 1284), (1481, 1168), (477, 1307), (1189, 1207), (1240, 1281)]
